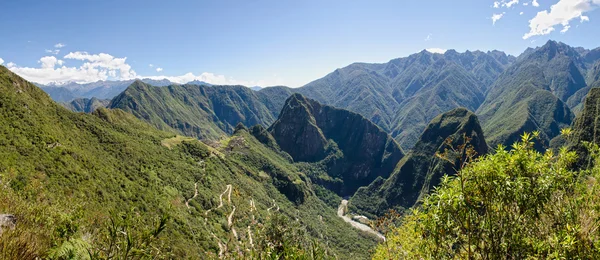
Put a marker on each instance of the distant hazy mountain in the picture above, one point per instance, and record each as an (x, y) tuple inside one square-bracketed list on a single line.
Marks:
[(100, 89)]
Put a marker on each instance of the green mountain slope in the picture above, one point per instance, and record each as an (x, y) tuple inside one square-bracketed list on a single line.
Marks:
[(206, 112), (421, 170), (527, 96), (86, 105), (64, 175), (351, 148)]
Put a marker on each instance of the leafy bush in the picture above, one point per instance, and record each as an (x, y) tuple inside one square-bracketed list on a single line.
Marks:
[(517, 204)]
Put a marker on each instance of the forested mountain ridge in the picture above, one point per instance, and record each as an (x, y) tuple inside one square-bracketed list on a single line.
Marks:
[(422, 168), (86, 105), (537, 93), (351, 148), (206, 112)]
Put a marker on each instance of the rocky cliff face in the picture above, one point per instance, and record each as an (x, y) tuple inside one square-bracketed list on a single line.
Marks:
[(351, 147), (421, 169)]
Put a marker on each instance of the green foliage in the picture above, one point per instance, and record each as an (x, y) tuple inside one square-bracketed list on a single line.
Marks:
[(517, 204)]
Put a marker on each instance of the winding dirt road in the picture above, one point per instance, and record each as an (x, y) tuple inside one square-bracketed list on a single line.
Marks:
[(360, 226)]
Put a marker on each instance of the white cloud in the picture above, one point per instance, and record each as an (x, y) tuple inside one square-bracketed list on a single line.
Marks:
[(59, 45), (436, 50), (48, 62), (95, 67), (1, 61), (565, 29), (521, 13), (535, 3), (104, 61), (584, 18), (560, 13), (505, 3), (103, 66), (428, 38), (511, 3), (55, 52), (150, 65), (496, 17), (525, 4)]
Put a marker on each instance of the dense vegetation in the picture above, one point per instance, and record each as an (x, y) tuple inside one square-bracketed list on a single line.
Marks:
[(110, 186), (517, 204)]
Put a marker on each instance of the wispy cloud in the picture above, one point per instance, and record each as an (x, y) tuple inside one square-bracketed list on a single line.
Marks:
[(535, 3), (1, 61), (55, 52), (429, 37), (159, 69), (496, 17), (59, 45), (505, 3)]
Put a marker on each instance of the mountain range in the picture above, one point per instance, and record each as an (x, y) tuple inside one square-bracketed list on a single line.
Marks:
[(364, 139)]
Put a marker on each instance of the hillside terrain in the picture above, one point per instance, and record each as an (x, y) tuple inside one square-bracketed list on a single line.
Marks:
[(206, 112), (82, 172)]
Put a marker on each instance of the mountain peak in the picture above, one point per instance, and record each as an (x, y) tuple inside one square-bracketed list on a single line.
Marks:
[(349, 145)]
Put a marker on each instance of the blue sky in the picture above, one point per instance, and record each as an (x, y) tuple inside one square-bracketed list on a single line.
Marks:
[(267, 42)]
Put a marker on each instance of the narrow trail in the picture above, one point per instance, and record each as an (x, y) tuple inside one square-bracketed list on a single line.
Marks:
[(360, 226), (222, 247), (227, 189), (274, 205), (230, 223), (187, 202), (252, 209)]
